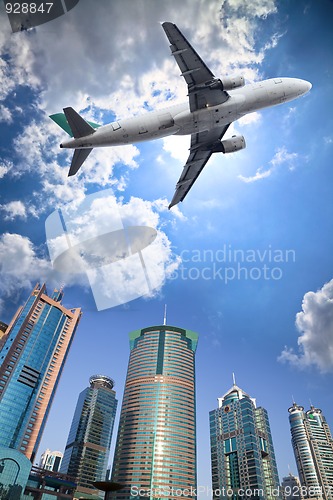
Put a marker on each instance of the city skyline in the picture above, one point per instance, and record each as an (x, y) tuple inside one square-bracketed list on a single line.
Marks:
[(247, 263)]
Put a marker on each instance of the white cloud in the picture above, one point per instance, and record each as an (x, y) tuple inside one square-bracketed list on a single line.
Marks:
[(260, 174), (5, 114), (38, 153), (281, 157), (5, 167), (17, 68), (315, 323), (20, 266), (250, 119), (14, 209), (131, 71), (129, 66), (177, 146), (115, 269)]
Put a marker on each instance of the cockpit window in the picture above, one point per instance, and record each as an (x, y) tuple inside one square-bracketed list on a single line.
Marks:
[(277, 80)]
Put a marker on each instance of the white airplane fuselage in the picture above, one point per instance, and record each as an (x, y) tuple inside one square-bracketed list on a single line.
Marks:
[(179, 120)]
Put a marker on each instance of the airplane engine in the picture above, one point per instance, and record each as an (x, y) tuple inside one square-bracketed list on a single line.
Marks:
[(234, 82), (236, 143)]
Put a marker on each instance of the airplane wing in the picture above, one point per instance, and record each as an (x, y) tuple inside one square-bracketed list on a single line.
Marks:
[(203, 145), (203, 88)]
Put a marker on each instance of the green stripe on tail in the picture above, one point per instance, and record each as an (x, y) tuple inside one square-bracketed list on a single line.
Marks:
[(60, 119)]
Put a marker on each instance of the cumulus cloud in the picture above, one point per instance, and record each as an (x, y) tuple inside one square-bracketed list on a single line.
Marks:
[(134, 61), (21, 265), (5, 167), (95, 216), (121, 247), (282, 156), (14, 209), (5, 114), (127, 84), (250, 119), (17, 62), (131, 71), (315, 323), (37, 153)]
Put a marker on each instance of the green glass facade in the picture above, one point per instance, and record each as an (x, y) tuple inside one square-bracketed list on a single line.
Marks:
[(31, 362), (313, 448), (155, 453), (242, 454), (89, 440)]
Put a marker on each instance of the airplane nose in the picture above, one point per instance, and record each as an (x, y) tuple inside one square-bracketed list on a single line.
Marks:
[(305, 86)]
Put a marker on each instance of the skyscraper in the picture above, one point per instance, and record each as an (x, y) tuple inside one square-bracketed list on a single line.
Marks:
[(156, 443), (51, 460), (291, 488), (88, 444), (32, 358), (242, 453), (313, 448), (3, 328)]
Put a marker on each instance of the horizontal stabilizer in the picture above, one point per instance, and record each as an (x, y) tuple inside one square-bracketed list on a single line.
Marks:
[(78, 125), (60, 119), (80, 155)]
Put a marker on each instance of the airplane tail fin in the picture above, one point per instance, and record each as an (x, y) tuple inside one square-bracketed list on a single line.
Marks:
[(63, 122), (80, 155), (78, 126), (75, 126)]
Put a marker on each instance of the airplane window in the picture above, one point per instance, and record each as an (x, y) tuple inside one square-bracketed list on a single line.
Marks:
[(115, 126), (278, 80)]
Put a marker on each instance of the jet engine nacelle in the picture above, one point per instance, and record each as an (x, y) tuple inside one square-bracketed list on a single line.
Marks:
[(236, 143), (234, 82)]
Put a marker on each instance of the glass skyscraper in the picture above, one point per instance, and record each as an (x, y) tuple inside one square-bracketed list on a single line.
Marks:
[(89, 440), (31, 362), (313, 448), (242, 454), (51, 460), (291, 488), (155, 453)]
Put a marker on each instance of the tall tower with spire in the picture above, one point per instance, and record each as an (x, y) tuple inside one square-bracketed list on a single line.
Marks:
[(242, 453), (313, 448)]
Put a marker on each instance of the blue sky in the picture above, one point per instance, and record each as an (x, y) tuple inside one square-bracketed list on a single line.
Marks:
[(271, 203)]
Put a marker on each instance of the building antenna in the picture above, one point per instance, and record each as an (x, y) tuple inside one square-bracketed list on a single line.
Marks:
[(233, 378), (165, 314)]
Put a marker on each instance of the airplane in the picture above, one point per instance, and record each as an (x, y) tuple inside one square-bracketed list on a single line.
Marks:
[(213, 104)]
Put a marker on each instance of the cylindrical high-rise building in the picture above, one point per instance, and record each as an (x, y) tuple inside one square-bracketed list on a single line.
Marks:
[(156, 445), (313, 448), (89, 440)]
